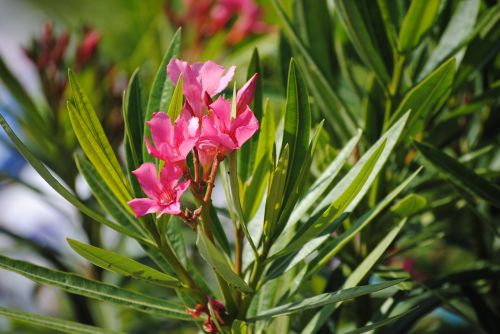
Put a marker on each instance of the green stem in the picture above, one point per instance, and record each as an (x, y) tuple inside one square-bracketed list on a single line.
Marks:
[(169, 255), (258, 269)]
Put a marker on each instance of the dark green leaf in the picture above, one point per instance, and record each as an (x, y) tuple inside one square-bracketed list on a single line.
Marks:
[(417, 22), (361, 38), (58, 187), (161, 91), (120, 264), (65, 326), (93, 289), (219, 263), (426, 97), (459, 174), (297, 126), (323, 299)]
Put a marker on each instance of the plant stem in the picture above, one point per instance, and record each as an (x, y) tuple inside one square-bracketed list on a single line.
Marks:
[(258, 269), (169, 255)]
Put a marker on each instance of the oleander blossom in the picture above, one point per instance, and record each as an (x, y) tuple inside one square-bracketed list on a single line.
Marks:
[(163, 193), (172, 142), (220, 135), (199, 80)]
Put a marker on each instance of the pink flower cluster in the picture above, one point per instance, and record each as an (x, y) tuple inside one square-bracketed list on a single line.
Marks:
[(240, 18), (204, 127)]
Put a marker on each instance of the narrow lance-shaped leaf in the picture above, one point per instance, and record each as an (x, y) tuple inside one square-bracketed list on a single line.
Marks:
[(418, 20), (323, 299), (133, 118), (330, 248), (299, 185), (457, 32), (161, 91), (52, 323), (429, 95), (255, 187), (275, 193), (361, 38), (104, 196), (123, 265), (338, 207), (342, 119), (247, 154), (175, 107), (297, 126), (93, 289), (324, 181), (97, 156), (460, 175), (218, 262), (58, 187), (355, 278)]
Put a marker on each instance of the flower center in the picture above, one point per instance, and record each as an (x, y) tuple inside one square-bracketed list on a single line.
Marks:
[(167, 197)]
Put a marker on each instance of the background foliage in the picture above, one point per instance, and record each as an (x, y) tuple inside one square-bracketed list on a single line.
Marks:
[(399, 85)]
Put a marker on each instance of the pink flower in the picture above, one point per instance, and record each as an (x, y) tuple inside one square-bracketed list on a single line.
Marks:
[(199, 79), (171, 142), (163, 193), (220, 135), (248, 20)]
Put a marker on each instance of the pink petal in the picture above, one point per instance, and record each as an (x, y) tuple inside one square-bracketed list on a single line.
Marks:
[(245, 94), (244, 126), (175, 68), (221, 115), (170, 175), (172, 209), (181, 188), (162, 129), (213, 79), (143, 206), (148, 180)]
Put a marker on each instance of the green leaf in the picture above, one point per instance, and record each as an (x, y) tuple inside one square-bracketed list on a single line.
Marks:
[(323, 299), (247, 154), (254, 188), (93, 289), (455, 36), (37, 121), (342, 119), (94, 143), (361, 38), (175, 107), (123, 215), (426, 97), (53, 323), (323, 182), (275, 193), (314, 18), (483, 48), (219, 263), (334, 245), (161, 91), (300, 183), (386, 8), (418, 20), (240, 327), (378, 324), (343, 204), (355, 278), (236, 201), (409, 205), (297, 126), (133, 118), (120, 264), (459, 174), (58, 187)]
